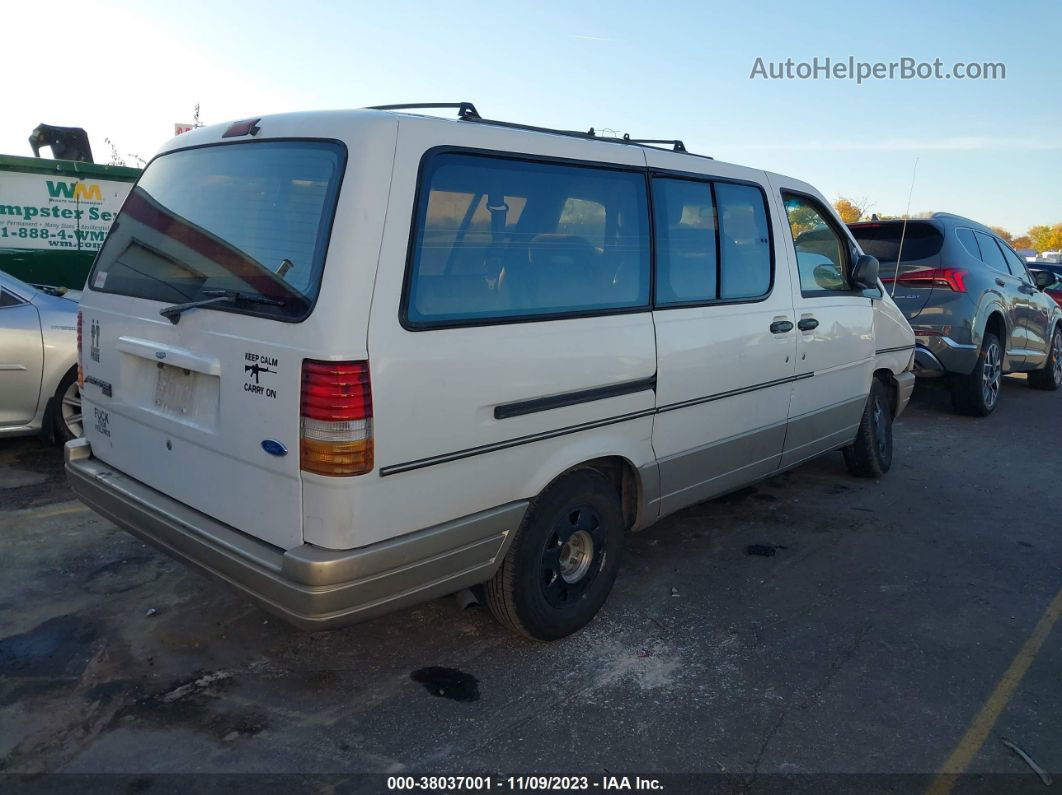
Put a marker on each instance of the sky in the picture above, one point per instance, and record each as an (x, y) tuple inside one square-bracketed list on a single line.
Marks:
[(987, 149)]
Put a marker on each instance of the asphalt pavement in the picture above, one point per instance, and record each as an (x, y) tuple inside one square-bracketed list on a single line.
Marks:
[(898, 628)]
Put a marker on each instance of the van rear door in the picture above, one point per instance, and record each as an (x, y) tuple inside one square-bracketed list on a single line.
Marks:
[(192, 353)]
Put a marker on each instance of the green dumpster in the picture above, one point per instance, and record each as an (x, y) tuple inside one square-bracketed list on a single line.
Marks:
[(54, 216)]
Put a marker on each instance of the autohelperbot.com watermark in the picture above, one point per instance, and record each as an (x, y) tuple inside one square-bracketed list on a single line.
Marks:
[(905, 68)]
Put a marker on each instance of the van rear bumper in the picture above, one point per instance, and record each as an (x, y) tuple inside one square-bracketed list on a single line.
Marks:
[(307, 586)]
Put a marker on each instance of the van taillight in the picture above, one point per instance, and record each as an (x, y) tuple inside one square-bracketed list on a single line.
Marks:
[(336, 418), (80, 371)]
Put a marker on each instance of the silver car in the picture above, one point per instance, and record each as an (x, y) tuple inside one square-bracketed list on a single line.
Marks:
[(38, 361)]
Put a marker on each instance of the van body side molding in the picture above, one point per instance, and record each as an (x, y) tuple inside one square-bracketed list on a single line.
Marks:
[(734, 392), (394, 469), (896, 349), (443, 458), (519, 408)]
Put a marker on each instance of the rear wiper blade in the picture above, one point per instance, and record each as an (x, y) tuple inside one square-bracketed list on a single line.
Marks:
[(173, 313)]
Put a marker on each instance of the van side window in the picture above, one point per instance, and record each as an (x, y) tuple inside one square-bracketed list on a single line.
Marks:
[(822, 252), (585, 218), (497, 239), (712, 241), (990, 253), (744, 240), (446, 212), (686, 246)]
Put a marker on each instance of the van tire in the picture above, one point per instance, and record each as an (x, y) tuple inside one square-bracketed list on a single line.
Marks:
[(564, 558), (970, 393), (1050, 377), (870, 456)]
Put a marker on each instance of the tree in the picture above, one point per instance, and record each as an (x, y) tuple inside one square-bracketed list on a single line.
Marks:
[(116, 158), (851, 210), (1003, 233), (1046, 238), (801, 218), (1023, 241)]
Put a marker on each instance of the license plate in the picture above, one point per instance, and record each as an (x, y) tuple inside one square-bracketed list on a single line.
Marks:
[(174, 389)]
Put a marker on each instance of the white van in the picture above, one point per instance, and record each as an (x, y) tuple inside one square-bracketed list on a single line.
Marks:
[(349, 361)]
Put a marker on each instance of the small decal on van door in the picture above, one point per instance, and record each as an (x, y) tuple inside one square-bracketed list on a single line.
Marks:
[(258, 373), (94, 341), (103, 422)]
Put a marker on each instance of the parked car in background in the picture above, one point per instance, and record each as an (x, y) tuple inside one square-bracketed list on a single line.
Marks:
[(1052, 287), (976, 311), (1046, 257), (38, 361), (454, 328)]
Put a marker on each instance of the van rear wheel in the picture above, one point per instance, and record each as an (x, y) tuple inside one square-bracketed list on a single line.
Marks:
[(562, 563)]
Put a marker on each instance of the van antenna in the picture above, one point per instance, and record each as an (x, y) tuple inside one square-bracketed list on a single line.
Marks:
[(903, 230)]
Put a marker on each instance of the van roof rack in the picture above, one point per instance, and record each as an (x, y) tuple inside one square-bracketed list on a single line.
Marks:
[(676, 144), (466, 111)]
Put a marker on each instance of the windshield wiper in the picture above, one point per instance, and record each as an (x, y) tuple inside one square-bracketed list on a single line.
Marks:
[(173, 313)]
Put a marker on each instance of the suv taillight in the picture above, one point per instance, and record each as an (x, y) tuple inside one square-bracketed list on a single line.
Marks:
[(80, 371), (336, 418), (952, 278)]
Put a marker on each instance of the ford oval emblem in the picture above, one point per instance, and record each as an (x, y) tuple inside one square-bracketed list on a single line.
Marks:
[(273, 447), (160, 354)]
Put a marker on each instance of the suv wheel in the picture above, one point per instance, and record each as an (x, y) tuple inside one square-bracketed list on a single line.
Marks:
[(977, 394), (1050, 377), (563, 561), (870, 456)]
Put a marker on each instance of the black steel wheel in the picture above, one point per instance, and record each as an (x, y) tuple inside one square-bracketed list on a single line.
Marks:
[(870, 455), (563, 561)]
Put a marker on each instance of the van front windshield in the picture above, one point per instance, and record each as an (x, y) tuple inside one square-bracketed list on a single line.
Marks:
[(251, 218)]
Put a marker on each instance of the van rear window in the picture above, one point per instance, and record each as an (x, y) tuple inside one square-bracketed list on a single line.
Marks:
[(921, 240), (250, 217), (499, 239)]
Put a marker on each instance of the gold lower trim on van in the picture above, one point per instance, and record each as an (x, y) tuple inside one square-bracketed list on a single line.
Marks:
[(714, 469), (307, 586), (822, 430)]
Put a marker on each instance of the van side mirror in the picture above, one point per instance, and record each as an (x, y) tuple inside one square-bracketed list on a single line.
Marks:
[(865, 272), (1045, 279)]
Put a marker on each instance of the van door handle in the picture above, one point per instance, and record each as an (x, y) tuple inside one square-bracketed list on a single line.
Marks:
[(1001, 283), (781, 327), (807, 324)]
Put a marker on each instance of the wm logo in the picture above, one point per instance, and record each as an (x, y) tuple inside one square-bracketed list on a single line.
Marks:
[(74, 190)]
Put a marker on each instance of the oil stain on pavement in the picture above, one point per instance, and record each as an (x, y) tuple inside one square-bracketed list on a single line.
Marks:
[(447, 683)]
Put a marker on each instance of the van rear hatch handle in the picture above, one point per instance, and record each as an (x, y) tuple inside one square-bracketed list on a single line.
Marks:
[(169, 354)]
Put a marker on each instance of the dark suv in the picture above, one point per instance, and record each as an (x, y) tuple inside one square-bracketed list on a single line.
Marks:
[(976, 311)]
